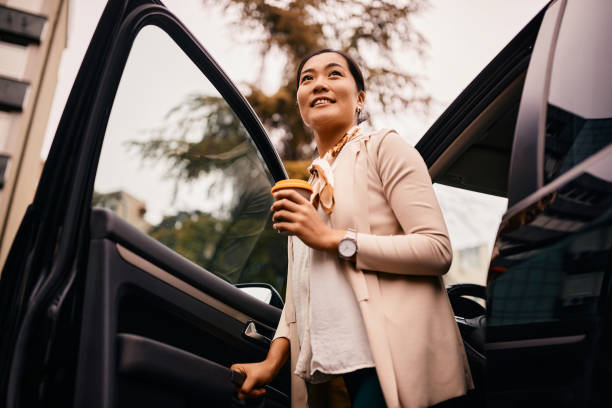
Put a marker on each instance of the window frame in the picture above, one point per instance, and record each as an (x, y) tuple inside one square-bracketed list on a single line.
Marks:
[(526, 172)]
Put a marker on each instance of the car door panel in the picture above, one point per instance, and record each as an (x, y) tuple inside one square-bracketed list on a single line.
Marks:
[(143, 251), (129, 306), (196, 378)]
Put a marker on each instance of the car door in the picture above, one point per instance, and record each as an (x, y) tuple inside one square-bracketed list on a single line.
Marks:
[(548, 331), (120, 287), (534, 126)]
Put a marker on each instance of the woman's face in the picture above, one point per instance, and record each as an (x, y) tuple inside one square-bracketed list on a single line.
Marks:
[(327, 94)]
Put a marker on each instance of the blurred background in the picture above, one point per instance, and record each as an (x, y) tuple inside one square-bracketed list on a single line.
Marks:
[(417, 56)]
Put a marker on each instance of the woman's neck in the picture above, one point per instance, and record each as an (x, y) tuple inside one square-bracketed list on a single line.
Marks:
[(327, 139)]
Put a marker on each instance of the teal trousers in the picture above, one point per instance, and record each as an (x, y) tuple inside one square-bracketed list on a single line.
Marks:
[(364, 389)]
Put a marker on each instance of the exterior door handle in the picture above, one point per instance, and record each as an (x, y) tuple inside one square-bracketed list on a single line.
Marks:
[(251, 332)]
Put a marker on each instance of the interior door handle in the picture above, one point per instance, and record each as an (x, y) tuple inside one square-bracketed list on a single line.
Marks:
[(251, 332)]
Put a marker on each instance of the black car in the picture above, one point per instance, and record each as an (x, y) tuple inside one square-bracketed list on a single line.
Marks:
[(535, 126), (105, 300)]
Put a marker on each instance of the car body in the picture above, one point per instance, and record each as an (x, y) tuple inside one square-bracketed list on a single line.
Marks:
[(95, 312)]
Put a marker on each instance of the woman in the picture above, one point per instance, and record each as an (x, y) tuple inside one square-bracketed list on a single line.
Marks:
[(365, 299)]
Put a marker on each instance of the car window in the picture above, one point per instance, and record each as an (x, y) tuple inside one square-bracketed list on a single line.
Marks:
[(472, 220), (177, 164), (564, 281), (571, 139)]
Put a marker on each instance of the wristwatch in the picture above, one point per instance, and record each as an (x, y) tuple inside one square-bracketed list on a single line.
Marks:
[(347, 248)]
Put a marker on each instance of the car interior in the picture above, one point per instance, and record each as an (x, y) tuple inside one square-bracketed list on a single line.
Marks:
[(479, 159)]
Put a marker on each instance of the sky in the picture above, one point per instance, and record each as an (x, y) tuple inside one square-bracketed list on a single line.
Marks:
[(463, 36)]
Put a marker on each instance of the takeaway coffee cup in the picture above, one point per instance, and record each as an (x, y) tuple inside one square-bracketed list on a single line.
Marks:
[(300, 186)]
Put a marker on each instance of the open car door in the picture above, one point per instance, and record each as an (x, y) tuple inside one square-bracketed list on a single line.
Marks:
[(120, 287), (549, 321), (535, 126)]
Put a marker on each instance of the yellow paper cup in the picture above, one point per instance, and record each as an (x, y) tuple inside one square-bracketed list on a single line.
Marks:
[(301, 186), (298, 185)]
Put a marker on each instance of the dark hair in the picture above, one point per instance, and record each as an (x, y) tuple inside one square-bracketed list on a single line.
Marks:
[(353, 67)]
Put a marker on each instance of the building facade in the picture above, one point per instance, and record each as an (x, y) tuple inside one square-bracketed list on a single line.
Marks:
[(126, 206), (33, 34)]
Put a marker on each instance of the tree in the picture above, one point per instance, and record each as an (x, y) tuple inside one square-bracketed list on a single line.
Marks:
[(369, 30), (201, 237)]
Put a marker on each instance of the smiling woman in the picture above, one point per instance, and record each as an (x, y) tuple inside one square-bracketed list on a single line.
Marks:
[(348, 94), (366, 257)]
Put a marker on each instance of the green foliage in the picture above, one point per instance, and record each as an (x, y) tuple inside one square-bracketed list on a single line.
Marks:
[(203, 239), (193, 235)]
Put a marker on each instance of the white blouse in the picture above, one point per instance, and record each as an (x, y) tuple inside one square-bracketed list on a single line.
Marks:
[(331, 331)]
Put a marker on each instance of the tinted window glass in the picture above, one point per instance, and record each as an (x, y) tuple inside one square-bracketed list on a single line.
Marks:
[(565, 281), (571, 139), (178, 165)]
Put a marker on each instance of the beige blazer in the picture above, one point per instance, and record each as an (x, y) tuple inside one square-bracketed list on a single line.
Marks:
[(383, 190)]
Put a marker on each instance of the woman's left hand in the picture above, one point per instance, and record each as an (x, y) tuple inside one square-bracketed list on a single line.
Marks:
[(294, 213)]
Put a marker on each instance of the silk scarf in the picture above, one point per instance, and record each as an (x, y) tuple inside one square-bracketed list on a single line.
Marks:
[(322, 176)]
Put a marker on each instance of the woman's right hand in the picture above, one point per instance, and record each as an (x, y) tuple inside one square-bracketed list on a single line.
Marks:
[(257, 375)]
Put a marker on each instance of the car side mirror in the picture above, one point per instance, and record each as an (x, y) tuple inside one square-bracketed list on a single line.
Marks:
[(262, 291)]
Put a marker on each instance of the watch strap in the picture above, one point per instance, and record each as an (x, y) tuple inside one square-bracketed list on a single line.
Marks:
[(351, 234)]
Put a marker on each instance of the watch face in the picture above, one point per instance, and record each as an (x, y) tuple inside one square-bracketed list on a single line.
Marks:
[(347, 248)]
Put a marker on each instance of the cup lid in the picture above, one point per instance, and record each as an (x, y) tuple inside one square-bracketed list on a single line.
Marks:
[(291, 183)]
